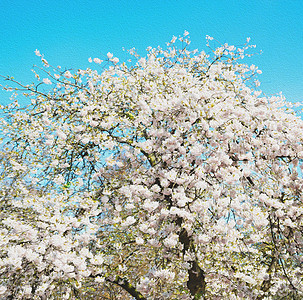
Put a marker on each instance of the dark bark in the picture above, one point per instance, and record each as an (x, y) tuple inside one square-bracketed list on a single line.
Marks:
[(196, 279), (123, 283), (127, 287), (266, 284), (185, 240)]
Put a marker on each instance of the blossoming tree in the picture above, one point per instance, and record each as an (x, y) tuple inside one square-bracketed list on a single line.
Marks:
[(172, 177)]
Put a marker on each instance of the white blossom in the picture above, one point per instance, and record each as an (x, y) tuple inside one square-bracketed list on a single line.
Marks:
[(149, 173)]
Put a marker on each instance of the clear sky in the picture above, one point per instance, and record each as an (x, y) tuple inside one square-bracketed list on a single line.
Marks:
[(68, 32)]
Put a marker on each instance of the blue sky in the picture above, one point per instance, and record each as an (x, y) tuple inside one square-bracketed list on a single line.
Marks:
[(69, 32)]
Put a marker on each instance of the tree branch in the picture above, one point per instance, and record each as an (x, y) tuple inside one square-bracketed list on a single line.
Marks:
[(127, 287), (196, 279)]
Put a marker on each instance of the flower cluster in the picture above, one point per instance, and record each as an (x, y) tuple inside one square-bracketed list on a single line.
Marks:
[(172, 177)]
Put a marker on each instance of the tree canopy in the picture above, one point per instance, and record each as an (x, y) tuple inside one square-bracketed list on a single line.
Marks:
[(170, 177)]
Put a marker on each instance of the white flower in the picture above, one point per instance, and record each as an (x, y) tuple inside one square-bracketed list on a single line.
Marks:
[(37, 52), (99, 279), (115, 60), (2, 289), (85, 140), (109, 55), (31, 255), (27, 290), (97, 60), (54, 163), (46, 81), (164, 182), (122, 268), (41, 248), (171, 241), (57, 241), (68, 74), (164, 274), (61, 134), (97, 259), (203, 238), (143, 285), (173, 40), (42, 288), (129, 221), (139, 241), (289, 223), (17, 167), (85, 252), (150, 205)]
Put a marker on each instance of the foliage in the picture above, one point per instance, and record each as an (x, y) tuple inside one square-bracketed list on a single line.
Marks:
[(171, 177)]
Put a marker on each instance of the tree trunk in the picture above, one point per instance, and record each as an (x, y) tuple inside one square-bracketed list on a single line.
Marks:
[(196, 279)]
